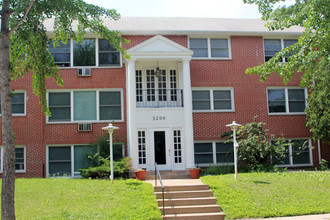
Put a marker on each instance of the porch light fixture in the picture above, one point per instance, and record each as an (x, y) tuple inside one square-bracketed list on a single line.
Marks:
[(234, 127), (158, 72), (110, 128)]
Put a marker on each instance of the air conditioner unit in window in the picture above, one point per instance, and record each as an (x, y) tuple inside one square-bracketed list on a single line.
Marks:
[(85, 127), (84, 72)]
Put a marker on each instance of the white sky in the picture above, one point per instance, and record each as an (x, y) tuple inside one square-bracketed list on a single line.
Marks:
[(181, 8)]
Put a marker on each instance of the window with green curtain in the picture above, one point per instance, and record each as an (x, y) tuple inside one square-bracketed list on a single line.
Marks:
[(84, 105), (59, 106), (59, 159), (110, 105), (81, 153)]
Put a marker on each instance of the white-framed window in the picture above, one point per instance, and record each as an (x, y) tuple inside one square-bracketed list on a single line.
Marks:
[(61, 54), (286, 100), (210, 48), (213, 99), (66, 160), (20, 159), (85, 105), (142, 150), (91, 52), (212, 152), (273, 46), (18, 103), (297, 153)]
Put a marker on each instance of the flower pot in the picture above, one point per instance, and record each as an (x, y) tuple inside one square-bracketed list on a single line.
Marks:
[(140, 174), (194, 173)]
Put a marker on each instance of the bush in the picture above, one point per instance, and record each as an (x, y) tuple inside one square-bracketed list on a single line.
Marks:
[(120, 169), (218, 170), (255, 147)]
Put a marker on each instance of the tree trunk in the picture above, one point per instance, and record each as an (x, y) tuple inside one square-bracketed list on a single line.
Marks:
[(8, 176)]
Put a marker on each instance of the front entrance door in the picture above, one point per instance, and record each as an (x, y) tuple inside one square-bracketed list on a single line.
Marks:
[(161, 147)]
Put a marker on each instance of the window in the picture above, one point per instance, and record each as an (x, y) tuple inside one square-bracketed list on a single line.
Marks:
[(142, 147), (84, 106), (298, 153), (20, 158), (59, 106), (213, 153), (17, 103), (108, 55), (110, 105), (84, 53), (67, 160), (286, 100), (209, 47), (177, 146), (213, 100), (61, 53), (273, 46)]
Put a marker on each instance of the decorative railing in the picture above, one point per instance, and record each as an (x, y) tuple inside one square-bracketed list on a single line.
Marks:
[(157, 174), (159, 98)]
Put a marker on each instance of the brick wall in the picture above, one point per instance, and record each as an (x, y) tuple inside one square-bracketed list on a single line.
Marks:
[(249, 95)]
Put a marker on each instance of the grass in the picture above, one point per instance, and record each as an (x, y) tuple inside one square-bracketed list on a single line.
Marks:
[(84, 199), (271, 194)]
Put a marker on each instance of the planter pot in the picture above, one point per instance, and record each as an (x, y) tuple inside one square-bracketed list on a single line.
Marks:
[(140, 174), (194, 173)]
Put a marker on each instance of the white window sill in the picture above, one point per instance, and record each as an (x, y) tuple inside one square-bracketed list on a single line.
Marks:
[(78, 122), (302, 113), (210, 111), (211, 58)]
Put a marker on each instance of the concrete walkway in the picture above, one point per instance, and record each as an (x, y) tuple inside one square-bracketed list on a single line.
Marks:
[(176, 182), (303, 217)]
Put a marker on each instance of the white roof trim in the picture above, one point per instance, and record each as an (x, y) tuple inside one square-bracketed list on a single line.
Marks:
[(160, 47)]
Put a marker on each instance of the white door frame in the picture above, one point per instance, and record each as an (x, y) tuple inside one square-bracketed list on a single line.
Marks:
[(168, 148)]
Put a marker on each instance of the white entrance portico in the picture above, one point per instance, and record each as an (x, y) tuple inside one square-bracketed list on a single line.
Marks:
[(159, 105)]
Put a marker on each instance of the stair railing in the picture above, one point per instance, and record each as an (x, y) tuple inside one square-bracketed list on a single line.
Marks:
[(157, 173)]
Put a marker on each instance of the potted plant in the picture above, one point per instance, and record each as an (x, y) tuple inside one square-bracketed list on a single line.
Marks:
[(140, 174), (194, 173)]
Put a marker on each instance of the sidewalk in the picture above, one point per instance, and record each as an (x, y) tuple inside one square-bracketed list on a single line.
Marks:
[(303, 217)]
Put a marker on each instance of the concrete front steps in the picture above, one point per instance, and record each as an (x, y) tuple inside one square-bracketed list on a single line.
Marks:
[(188, 202)]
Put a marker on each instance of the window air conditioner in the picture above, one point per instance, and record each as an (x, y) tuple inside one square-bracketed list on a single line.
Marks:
[(84, 72), (85, 127)]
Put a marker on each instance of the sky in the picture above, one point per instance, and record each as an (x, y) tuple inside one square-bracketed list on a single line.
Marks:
[(181, 8)]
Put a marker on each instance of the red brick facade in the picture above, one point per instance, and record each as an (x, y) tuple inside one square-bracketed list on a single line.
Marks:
[(250, 99)]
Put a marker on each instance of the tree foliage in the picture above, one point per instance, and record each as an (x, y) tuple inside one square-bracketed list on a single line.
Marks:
[(24, 48), (318, 112), (29, 42), (311, 48)]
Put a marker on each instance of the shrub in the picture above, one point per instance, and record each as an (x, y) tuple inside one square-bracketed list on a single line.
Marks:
[(218, 170), (255, 147), (120, 169)]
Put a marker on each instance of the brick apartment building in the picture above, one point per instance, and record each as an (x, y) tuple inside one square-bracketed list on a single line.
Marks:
[(172, 100)]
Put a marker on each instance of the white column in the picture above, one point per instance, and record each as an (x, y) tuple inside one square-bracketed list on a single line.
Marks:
[(131, 110), (188, 128)]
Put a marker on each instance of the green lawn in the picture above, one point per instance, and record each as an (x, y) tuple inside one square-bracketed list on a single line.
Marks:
[(84, 199), (271, 194)]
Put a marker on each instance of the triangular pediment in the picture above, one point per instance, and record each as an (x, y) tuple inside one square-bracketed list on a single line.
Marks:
[(160, 46)]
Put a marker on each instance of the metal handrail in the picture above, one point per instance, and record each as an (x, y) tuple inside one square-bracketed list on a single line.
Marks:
[(157, 173)]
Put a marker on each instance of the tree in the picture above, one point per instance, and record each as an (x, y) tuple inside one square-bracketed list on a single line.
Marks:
[(24, 48), (310, 55)]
